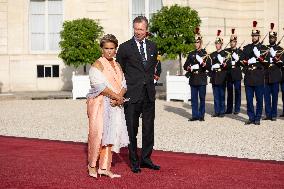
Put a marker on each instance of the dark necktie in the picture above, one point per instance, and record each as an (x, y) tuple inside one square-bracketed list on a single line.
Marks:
[(142, 52)]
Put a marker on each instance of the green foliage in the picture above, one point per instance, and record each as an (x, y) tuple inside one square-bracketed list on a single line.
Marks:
[(79, 42), (173, 28)]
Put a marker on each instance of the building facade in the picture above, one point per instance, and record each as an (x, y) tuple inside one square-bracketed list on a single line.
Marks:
[(29, 31)]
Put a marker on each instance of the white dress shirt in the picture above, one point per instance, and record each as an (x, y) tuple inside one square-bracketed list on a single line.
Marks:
[(144, 46)]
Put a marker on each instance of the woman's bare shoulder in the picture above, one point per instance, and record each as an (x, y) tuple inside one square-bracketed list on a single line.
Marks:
[(97, 64)]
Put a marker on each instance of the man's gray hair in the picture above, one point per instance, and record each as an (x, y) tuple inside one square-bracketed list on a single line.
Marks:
[(140, 19)]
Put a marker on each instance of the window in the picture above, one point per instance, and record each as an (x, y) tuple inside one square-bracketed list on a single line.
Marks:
[(154, 7), (47, 71), (46, 17), (40, 71), (55, 70), (143, 8), (138, 8)]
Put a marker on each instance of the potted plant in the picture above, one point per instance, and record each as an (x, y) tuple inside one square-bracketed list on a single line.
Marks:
[(173, 31), (79, 47)]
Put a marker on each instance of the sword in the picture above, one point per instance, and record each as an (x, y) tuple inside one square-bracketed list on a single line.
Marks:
[(229, 54), (263, 39), (206, 45), (278, 43), (241, 45), (227, 44)]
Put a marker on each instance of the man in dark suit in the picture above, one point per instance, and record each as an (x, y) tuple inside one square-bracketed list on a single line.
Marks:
[(138, 58)]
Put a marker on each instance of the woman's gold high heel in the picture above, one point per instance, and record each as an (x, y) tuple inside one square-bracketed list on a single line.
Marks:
[(107, 173), (92, 171)]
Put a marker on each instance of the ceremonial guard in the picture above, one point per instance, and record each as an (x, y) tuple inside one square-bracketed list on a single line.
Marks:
[(196, 67), (254, 76), (218, 75), (272, 76), (234, 75)]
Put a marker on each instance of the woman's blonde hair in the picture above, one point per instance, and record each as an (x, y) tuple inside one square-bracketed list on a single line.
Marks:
[(108, 38)]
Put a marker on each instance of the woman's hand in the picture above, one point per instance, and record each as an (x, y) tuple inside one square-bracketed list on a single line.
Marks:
[(113, 103), (120, 102)]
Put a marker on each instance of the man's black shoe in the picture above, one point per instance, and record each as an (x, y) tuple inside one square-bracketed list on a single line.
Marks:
[(215, 115), (266, 118), (236, 113), (150, 166), (201, 119), (222, 115), (282, 115), (273, 119), (249, 122), (257, 122), (135, 169), (227, 112), (193, 119)]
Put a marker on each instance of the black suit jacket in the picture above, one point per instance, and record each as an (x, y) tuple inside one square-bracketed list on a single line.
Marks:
[(136, 74)]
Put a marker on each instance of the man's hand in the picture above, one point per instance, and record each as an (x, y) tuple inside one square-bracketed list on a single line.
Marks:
[(272, 52), (188, 68), (256, 52), (195, 67), (215, 66), (220, 58), (156, 77), (199, 59), (235, 56), (252, 60)]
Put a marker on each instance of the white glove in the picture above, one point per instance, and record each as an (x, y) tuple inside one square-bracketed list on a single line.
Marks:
[(220, 58), (252, 60), (271, 60), (155, 81), (233, 63), (215, 66), (199, 59), (235, 56), (272, 52), (195, 67), (256, 52)]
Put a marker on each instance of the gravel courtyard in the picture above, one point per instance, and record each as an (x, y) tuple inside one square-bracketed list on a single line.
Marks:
[(66, 120)]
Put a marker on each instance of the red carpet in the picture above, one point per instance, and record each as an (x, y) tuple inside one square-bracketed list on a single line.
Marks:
[(34, 163)]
